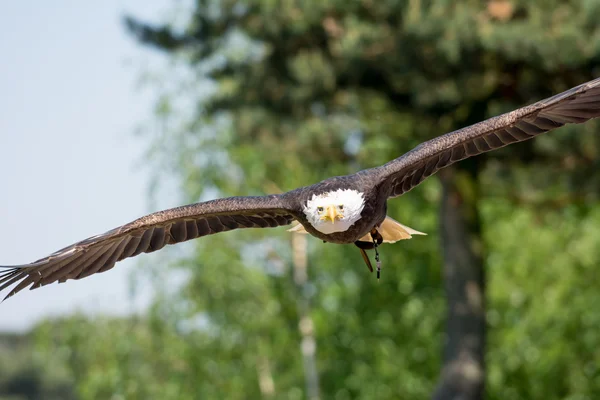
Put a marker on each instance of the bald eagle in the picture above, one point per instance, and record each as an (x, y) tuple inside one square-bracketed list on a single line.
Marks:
[(342, 209)]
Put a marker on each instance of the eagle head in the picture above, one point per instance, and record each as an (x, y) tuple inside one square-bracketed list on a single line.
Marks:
[(334, 211)]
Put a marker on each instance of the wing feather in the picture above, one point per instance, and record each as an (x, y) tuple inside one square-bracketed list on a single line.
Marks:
[(147, 234), (575, 105)]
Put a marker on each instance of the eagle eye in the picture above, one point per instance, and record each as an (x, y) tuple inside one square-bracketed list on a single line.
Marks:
[(341, 207), (320, 209)]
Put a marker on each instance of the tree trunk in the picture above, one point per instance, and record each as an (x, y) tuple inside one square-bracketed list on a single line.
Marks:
[(463, 372), (306, 325)]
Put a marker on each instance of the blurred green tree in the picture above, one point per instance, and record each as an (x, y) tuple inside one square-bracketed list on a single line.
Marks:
[(267, 96), (25, 375)]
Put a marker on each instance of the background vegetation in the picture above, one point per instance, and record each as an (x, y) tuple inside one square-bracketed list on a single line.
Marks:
[(265, 96)]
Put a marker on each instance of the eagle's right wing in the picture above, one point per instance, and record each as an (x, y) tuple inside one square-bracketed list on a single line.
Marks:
[(575, 105), (147, 234)]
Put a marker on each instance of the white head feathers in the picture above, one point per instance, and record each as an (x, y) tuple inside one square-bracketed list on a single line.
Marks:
[(334, 211)]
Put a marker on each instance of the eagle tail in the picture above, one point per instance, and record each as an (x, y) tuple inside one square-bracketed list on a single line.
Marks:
[(392, 231)]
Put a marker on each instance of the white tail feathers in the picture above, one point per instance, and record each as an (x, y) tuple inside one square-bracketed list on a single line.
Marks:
[(298, 228), (390, 229)]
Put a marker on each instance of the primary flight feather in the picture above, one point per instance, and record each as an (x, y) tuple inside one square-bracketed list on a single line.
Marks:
[(342, 209)]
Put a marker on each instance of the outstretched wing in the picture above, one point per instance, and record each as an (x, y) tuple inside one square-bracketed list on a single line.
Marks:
[(575, 105), (145, 235)]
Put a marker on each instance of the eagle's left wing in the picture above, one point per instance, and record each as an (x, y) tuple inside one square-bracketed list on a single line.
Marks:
[(575, 105), (147, 234)]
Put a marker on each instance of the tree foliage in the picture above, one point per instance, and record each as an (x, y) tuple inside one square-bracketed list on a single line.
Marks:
[(26, 374)]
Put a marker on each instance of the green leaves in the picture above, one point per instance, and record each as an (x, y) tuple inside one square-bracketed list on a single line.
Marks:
[(542, 281)]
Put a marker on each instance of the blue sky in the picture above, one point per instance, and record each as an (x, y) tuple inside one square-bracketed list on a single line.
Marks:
[(70, 164)]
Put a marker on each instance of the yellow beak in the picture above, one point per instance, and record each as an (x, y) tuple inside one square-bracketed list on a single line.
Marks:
[(331, 214)]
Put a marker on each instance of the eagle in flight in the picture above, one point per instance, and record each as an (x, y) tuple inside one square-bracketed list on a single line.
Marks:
[(341, 209)]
